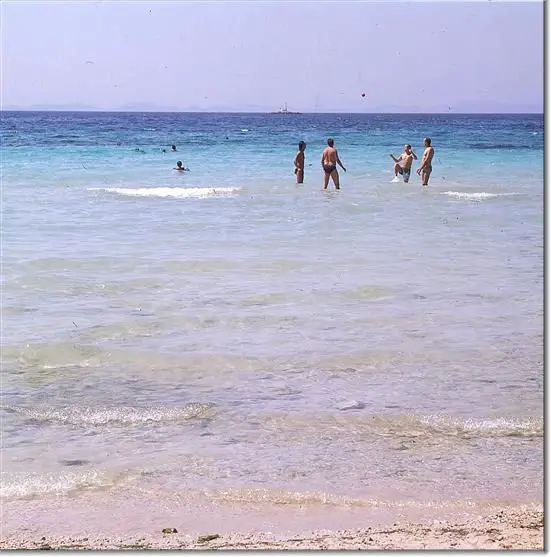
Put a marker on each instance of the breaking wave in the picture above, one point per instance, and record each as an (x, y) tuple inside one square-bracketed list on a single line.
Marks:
[(476, 196), (121, 415), (180, 193)]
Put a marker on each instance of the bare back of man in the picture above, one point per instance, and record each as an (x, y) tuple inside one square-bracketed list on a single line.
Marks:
[(329, 160), (299, 162)]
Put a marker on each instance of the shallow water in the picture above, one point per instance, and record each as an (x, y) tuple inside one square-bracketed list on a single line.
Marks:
[(227, 330)]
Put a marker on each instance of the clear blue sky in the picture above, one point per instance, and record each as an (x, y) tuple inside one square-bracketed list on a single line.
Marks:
[(318, 56)]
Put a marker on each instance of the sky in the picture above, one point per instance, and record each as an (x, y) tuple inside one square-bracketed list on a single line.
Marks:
[(484, 56)]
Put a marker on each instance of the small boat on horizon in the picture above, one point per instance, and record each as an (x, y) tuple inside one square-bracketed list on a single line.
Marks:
[(283, 110)]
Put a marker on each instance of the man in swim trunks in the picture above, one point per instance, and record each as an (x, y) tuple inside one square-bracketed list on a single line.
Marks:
[(403, 163), (299, 162), (329, 161), (426, 162)]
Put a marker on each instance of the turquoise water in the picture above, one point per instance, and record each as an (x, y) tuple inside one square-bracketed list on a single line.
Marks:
[(227, 329)]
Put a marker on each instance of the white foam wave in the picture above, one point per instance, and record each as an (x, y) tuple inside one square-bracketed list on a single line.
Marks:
[(33, 484), (281, 497), (505, 426), (98, 416), (476, 196), (181, 193)]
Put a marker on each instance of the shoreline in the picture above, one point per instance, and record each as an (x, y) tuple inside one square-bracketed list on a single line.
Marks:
[(503, 530), (138, 523)]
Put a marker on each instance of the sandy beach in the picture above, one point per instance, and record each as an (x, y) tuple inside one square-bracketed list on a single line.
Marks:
[(169, 526)]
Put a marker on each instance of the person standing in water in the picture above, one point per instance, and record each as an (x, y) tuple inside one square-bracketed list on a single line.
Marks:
[(329, 160), (403, 163), (299, 162), (426, 162)]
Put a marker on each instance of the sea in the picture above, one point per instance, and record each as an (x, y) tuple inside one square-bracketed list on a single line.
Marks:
[(227, 335)]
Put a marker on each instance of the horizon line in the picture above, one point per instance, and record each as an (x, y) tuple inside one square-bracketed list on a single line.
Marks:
[(149, 111)]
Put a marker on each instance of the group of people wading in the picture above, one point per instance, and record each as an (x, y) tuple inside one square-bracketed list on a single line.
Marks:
[(402, 164)]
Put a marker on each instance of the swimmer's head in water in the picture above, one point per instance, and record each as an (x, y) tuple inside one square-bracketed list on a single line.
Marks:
[(174, 147), (301, 146), (179, 163), (427, 141), (330, 142)]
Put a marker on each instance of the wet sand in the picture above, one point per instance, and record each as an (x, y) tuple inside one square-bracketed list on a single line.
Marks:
[(74, 524)]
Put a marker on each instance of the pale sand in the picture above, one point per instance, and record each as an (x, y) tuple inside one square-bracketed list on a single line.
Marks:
[(513, 527)]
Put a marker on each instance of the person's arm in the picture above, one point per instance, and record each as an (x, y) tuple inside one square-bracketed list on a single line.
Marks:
[(339, 161), (296, 160), (423, 162), (414, 155), (322, 157), (396, 160)]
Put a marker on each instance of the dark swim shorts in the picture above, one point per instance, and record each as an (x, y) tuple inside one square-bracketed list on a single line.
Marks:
[(405, 172)]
